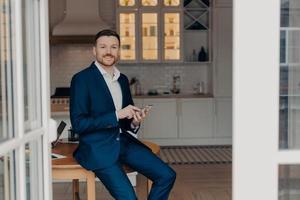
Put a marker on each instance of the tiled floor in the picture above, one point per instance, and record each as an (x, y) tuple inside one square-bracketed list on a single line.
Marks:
[(194, 182)]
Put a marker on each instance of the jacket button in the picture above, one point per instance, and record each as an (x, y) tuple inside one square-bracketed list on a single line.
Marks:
[(117, 138)]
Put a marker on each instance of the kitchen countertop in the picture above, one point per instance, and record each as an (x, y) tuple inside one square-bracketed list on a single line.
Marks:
[(65, 112)]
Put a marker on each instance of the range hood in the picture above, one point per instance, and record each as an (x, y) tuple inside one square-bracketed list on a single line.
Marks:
[(81, 19)]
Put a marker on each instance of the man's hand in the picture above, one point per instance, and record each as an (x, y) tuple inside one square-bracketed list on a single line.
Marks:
[(138, 117), (128, 112)]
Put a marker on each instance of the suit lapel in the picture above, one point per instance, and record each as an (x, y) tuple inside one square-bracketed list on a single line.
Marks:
[(123, 89), (100, 83)]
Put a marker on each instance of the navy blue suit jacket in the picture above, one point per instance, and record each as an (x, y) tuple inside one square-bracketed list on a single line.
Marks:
[(93, 117)]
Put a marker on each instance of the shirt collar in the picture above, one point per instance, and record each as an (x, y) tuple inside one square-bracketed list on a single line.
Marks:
[(103, 72)]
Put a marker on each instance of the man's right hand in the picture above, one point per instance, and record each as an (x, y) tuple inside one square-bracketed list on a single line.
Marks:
[(127, 112)]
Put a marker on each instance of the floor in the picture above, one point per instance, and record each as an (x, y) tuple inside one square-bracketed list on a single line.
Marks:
[(194, 182)]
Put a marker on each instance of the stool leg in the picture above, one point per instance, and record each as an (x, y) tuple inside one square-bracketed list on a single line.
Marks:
[(149, 185), (75, 189), (91, 191)]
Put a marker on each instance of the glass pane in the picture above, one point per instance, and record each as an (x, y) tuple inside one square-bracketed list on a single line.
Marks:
[(31, 65), (150, 47), (126, 2), (293, 46), (289, 182), (127, 34), (289, 126), (33, 170), (283, 46), (171, 2), (149, 2), (172, 36), (290, 13), (7, 176), (7, 61)]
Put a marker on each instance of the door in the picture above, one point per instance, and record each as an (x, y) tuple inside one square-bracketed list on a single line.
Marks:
[(24, 100), (266, 92)]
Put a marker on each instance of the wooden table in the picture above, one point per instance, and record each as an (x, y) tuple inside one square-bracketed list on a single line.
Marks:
[(68, 168)]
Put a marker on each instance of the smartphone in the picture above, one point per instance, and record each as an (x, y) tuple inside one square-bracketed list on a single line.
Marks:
[(147, 107)]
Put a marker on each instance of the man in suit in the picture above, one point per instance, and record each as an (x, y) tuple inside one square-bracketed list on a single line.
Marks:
[(102, 113)]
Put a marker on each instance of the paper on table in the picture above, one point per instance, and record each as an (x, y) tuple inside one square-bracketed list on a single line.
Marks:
[(57, 156)]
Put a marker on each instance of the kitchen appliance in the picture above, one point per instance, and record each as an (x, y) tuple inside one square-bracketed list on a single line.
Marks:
[(60, 100)]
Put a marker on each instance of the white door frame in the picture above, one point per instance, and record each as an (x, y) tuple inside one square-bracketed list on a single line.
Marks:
[(256, 155), (41, 133)]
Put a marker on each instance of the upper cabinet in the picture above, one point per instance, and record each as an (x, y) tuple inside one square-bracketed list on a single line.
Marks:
[(197, 23), (172, 32), (127, 21), (165, 30), (126, 2), (150, 36)]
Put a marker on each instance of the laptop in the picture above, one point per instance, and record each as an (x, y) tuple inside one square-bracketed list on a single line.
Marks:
[(59, 131)]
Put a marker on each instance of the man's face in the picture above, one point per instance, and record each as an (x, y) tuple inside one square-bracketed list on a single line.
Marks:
[(106, 50)]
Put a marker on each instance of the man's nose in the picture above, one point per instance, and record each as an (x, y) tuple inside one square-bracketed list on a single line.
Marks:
[(108, 50)]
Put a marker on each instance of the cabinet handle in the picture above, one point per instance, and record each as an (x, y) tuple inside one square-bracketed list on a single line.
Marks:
[(215, 107), (179, 108)]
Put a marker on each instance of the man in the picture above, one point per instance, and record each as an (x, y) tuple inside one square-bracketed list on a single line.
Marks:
[(102, 113)]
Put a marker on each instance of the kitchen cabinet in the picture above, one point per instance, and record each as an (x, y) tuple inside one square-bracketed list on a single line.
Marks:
[(223, 108), (186, 121), (196, 118), (178, 37), (161, 123), (127, 32), (197, 31), (172, 35), (223, 51), (140, 28), (222, 70)]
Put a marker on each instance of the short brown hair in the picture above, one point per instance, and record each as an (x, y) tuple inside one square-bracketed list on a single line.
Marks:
[(107, 32)]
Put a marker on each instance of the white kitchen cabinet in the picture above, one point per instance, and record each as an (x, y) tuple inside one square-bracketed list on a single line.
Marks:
[(169, 31), (223, 123), (196, 118), (162, 120), (197, 30), (222, 38), (146, 38)]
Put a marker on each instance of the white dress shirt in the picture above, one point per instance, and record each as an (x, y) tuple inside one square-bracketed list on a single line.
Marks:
[(114, 88)]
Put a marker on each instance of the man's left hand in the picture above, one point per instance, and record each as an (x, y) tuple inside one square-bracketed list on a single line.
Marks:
[(138, 117)]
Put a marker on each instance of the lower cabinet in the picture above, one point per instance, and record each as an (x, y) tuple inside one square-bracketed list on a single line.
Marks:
[(161, 123), (181, 121), (196, 118), (223, 118)]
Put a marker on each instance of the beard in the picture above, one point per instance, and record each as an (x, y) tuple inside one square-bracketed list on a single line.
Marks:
[(108, 60)]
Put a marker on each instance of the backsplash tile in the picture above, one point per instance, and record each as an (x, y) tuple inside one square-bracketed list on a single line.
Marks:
[(68, 59)]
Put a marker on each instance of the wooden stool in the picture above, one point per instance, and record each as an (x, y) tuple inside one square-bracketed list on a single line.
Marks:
[(68, 168)]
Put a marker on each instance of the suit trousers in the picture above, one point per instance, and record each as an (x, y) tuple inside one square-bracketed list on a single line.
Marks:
[(142, 160)]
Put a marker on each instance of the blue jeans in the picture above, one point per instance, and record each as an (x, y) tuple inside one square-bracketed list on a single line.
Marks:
[(142, 160)]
